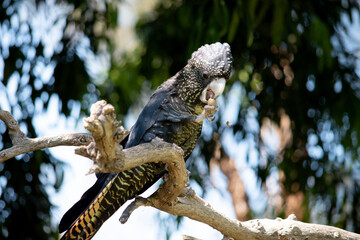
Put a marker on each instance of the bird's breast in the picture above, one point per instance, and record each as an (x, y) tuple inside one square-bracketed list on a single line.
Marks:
[(187, 136)]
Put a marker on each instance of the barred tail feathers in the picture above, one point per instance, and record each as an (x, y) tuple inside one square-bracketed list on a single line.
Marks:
[(124, 186)]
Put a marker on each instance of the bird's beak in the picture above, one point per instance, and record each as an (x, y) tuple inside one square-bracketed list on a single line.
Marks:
[(214, 89)]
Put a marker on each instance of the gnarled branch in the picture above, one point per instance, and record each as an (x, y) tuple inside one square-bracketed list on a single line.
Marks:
[(190, 205), (108, 156)]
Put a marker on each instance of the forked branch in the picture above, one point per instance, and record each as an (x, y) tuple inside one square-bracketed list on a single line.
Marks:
[(189, 204), (108, 156)]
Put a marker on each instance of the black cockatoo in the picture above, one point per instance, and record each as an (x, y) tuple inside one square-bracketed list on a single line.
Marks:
[(175, 113)]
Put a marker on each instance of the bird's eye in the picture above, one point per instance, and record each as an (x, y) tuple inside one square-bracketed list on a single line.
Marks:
[(205, 75)]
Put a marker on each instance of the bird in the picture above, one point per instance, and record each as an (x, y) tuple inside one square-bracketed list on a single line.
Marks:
[(174, 113)]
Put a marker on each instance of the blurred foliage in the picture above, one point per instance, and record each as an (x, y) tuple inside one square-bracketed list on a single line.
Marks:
[(290, 58)]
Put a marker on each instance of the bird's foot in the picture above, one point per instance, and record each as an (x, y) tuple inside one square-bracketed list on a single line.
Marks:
[(208, 113)]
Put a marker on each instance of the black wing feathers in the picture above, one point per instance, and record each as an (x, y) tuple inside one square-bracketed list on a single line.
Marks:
[(149, 114)]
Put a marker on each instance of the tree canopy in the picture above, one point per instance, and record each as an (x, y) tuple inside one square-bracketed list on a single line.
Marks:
[(293, 95)]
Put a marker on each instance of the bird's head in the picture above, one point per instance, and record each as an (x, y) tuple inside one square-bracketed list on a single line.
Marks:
[(206, 73)]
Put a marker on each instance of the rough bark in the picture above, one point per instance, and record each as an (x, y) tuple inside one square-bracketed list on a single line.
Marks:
[(166, 197), (23, 144)]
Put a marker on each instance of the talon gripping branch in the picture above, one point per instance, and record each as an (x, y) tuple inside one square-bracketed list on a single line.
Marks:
[(175, 113)]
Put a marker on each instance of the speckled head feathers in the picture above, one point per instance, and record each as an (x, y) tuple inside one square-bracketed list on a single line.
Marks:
[(216, 58)]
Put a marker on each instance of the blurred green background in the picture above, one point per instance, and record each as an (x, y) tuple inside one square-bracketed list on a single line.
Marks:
[(290, 115)]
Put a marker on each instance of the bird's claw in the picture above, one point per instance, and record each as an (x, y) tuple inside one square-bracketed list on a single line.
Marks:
[(208, 113)]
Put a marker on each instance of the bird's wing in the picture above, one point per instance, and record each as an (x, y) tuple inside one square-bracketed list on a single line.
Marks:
[(151, 113)]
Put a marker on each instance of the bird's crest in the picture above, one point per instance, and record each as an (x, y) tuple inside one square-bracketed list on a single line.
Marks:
[(215, 57)]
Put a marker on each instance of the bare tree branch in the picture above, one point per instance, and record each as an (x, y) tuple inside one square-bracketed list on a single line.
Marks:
[(190, 205), (194, 207), (23, 144), (108, 156)]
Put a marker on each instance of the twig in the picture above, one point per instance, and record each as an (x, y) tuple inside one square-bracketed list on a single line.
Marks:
[(23, 144)]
